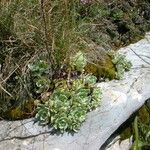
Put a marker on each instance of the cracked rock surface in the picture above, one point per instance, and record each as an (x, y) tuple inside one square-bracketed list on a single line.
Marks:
[(120, 100)]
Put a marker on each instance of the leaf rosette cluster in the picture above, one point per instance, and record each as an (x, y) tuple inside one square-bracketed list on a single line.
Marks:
[(67, 108)]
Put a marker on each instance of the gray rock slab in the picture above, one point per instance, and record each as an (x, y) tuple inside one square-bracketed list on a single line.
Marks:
[(117, 145), (120, 100)]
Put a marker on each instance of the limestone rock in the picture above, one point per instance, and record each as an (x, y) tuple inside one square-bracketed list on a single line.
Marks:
[(124, 145)]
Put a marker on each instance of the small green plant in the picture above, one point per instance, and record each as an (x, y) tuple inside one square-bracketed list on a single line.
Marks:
[(67, 107), (39, 71), (78, 62), (118, 14), (121, 64), (141, 134)]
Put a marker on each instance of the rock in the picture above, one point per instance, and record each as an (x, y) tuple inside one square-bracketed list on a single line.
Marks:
[(120, 100), (117, 145)]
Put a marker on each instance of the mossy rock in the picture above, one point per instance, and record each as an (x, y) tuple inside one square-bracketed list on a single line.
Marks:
[(102, 67)]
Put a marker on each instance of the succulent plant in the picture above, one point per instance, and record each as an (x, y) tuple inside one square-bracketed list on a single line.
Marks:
[(121, 63), (39, 71), (67, 107), (78, 62)]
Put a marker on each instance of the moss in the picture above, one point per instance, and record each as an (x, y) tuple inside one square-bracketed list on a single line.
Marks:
[(20, 112), (144, 115), (103, 68), (126, 133)]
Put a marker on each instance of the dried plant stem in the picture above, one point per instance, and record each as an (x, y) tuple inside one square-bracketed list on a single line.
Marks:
[(5, 91), (69, 79), (49, 51)]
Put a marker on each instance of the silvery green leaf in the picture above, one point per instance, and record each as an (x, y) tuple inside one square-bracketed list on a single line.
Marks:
[(97, 94), (79, 61), (90, 79), (77, 84), (121, 64), (42, 84), (61, 123), (82, 93)]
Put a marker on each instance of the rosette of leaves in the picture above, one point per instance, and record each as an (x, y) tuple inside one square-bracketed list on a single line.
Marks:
[(96, 96), (121, 64), (90, 79), (68, 108), (42, 84), (39, 68), (39, 72), (78, 62), (43, 114)]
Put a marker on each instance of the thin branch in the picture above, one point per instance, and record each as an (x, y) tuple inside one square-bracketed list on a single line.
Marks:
[(45, 26), (50, 55), (4, 80), (5, 91)]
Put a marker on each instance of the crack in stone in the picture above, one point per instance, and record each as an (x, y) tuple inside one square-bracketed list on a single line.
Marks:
[(133, 83), (24, 137), (140, 56)]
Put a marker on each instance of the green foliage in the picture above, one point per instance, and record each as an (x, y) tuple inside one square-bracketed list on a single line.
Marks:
[(79, 61), (39, 68), (141, 135), (121, 64), (118, 14), (43, 114), (88, 79), (39, 72), (67, 106), (68, 27), (139, 129)]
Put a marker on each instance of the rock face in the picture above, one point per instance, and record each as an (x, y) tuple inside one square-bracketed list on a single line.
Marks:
[(116, 145), (120, 100)]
